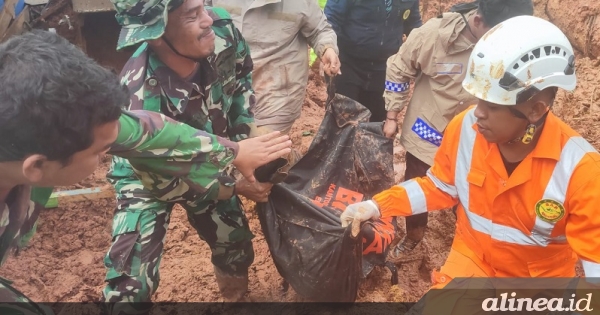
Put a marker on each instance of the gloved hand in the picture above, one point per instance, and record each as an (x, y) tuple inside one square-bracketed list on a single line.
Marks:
[(361, 211)]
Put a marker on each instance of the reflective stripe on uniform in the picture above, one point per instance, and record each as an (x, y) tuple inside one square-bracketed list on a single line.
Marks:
[(592, 270), (416, 196), (445, 187), (571, 155)]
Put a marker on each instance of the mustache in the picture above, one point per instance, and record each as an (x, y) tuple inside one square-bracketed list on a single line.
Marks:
[(205, 33)]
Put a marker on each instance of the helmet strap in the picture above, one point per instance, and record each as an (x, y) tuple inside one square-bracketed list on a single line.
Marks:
[(468, 26), (164, 38)]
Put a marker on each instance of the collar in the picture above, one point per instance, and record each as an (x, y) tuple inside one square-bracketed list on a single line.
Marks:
[(175, 88), (260, 3), (159, 79), (548, 147), (450, 33), (549, 144)]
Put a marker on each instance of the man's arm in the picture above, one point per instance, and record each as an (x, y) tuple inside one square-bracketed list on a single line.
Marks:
[(315, 28), (402, 67), (435, 191), (583, 227), (240, 114), (335, 11), (167, 151), (321, 37), (583, 223), (414, 19)]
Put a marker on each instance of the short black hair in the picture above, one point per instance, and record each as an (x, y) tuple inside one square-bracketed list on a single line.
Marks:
[(52, 96), (495, 12)]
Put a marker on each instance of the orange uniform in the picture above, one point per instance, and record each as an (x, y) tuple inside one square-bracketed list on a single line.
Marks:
[(535, 223)]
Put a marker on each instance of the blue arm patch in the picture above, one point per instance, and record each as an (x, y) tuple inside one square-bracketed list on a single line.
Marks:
[(396, 87)]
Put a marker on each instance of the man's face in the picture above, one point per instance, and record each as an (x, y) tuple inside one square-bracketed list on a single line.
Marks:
[(46, 173), (497, 124), (189, 30)]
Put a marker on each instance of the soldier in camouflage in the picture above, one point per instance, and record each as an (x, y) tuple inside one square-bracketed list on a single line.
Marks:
[(194, 66), (60, 112)]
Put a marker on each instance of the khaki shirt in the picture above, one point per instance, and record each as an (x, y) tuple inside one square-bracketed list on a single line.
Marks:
[(435, 56), (279, 33)]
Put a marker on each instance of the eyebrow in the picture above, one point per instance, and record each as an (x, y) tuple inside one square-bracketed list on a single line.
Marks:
[(190, 10)]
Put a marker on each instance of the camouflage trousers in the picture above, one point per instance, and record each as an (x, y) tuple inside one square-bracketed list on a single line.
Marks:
[(139, 228), (13, 302)]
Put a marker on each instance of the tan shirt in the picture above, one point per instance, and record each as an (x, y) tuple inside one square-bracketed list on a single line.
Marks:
[(435, 56), (279, 33)]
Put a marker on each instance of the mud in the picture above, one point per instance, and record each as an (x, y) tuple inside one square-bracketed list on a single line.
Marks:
[(64, 260), (579, 22)]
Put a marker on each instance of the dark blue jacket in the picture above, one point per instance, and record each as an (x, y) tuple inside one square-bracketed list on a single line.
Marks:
[(366, 31)]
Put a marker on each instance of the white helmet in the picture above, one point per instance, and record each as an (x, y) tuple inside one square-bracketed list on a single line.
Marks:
[(518, 58)]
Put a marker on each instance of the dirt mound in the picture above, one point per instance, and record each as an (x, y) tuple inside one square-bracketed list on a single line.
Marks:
[(578, 19)]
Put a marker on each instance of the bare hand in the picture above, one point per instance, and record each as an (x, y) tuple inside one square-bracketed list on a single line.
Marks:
[(256, 191), (258, 151), (331, 63), (390, 128)]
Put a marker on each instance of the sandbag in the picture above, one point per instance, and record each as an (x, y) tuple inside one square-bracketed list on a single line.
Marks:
[(348, 161)]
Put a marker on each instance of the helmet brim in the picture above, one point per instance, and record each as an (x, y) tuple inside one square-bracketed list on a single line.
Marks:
[(133, 34)]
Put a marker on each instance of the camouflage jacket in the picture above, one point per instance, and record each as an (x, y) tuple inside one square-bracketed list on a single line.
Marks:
[(220, 98), (152, 143), (218, 101)]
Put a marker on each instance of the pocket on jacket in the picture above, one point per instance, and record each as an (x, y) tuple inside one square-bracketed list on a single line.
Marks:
[(446, 84), (284, 80), (271, 80), (561, 264), (225, 65), (476, 179), (436, 119)]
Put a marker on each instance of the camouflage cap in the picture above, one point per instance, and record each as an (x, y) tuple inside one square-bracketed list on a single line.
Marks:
[(142, 20)]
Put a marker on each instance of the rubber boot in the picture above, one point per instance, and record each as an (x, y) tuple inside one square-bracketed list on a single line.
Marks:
[(233, 288)]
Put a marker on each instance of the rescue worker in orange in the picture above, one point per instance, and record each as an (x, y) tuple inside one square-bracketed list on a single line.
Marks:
[(525, 183), (435, 56)]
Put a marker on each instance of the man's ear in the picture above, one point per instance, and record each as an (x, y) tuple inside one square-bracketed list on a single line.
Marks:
[(478, 21), (33, 169), (538, 109)]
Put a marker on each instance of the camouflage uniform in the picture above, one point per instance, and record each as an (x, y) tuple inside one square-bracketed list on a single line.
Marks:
[(219, 101), (151, 142)]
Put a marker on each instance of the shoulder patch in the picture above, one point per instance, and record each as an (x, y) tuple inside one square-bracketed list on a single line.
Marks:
[(217, 13)]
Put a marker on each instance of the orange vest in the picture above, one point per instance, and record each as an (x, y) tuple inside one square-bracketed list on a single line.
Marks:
[(535, 223)]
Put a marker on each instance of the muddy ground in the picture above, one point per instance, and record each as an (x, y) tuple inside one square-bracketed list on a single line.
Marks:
[(64, 260)]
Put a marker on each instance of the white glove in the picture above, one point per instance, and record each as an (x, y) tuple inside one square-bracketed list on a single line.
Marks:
[(361, 211)]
